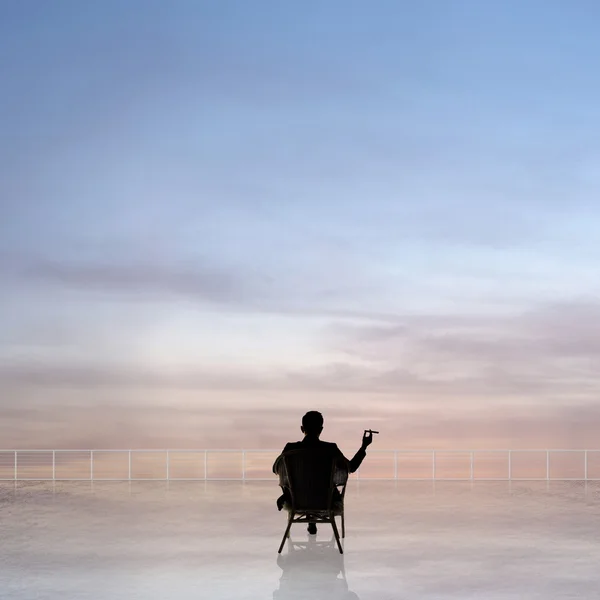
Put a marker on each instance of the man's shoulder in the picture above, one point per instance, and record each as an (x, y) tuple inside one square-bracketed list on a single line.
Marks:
[(330, 445), (292, 446), (320, 444)]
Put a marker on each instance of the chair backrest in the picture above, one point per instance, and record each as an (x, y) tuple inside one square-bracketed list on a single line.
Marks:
[(310, 474)]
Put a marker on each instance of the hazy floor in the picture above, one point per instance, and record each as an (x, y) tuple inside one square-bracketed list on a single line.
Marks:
[(219, 540)]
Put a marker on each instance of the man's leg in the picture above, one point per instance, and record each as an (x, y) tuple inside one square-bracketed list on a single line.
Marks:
[(283, 499), (336, 502)]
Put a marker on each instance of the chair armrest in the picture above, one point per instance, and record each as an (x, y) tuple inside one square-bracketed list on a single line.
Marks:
[(340, 476)]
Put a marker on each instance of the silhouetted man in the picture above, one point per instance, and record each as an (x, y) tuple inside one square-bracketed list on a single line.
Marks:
[(312, 426)]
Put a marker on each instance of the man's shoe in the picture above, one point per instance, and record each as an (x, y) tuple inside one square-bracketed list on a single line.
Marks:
[(312, 528)]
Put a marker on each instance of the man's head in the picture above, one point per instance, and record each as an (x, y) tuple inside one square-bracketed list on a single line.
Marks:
[(312, 423)]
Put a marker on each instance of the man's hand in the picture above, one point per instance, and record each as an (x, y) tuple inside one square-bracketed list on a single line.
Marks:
[(367, 438)]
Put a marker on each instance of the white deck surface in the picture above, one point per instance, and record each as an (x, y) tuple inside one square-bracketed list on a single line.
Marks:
[(219, 540)]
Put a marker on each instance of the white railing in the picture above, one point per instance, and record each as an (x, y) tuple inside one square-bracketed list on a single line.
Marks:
[(256, 465)]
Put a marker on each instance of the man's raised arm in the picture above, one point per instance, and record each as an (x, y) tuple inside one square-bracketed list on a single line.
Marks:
[(350, 465), (353, 464)]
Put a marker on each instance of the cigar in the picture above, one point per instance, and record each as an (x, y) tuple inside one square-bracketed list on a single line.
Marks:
[(371, 431)]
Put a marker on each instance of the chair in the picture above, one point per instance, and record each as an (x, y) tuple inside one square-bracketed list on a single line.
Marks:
[(311, 480), (340, 479)]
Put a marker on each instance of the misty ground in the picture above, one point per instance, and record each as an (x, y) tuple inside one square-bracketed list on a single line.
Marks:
[(219, 540)]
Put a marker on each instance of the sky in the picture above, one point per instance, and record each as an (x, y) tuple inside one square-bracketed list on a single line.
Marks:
[(215, 216)]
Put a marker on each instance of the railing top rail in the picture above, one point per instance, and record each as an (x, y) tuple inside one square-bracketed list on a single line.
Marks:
[(381, 450)]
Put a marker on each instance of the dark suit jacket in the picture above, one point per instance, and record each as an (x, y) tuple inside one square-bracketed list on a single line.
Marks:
[(329, 449)]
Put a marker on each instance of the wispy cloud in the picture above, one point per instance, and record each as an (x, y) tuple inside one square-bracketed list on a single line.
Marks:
[(560, 329), (196, 281), (252, 425), (211, 282), (551, 348)]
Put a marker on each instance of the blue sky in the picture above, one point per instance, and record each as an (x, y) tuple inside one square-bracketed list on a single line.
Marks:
[(386, 208)]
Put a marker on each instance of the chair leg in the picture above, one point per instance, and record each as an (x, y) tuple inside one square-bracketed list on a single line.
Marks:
[(343, 525), (337, 535), (286, 534)]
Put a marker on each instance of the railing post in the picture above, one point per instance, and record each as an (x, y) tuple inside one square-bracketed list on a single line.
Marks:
[(129, 469), (167, 465), (243, 465), (53, 465), (433, 465), (510, 465), (585, 464), (205, 465), (15, 473), (91, 465), (547, 465), (471, 465), (395, 464)]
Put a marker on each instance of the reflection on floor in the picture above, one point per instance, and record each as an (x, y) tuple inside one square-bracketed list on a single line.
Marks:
[(219, 541), (312, 569)]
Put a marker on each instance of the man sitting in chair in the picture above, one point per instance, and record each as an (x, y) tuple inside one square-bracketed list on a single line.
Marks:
[(312, 426)]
